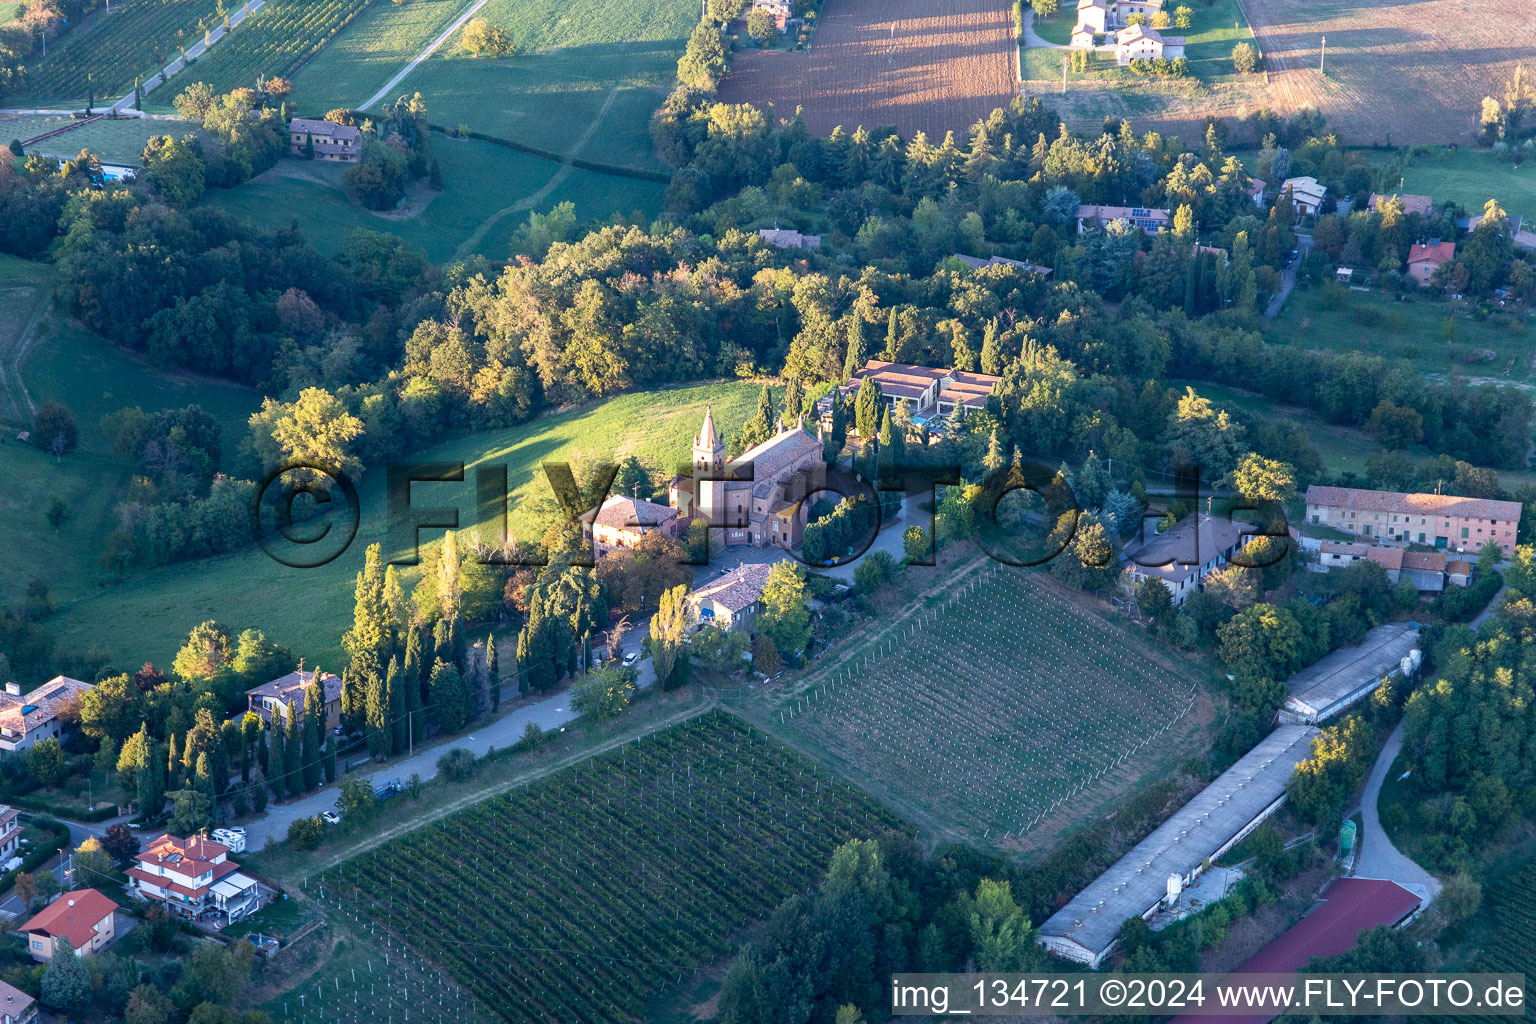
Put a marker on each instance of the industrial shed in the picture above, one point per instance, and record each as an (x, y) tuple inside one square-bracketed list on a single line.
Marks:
[(1176, 853), (1337, 680)]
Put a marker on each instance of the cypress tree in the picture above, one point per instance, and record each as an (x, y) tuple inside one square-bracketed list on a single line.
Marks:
[(173, 762), (991, 350), (892, 336), (442, 641), (794, 401), (460, 640), (369, 637), (858, 347), (261, 749), (494, 668), (309, 746), (394, 691), (151, 794), (275, 757), (330, 759), (376, 718), (293, 747)]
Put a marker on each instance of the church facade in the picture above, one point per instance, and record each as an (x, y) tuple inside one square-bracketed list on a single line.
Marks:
[(766, 504)]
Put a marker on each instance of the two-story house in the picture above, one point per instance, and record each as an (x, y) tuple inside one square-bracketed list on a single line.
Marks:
[(733, 600), (1445, 521), (272, 700), (193, 878), (10, 832), (84, 917), (26, 718)]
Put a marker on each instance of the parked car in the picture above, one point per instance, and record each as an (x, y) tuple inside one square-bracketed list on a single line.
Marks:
[(331, 817), (631, 658)]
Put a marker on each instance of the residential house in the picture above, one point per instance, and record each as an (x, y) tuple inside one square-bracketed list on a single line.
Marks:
[(1307, 193), (620, 522), (1513, 224), (1422, 205), (976, 263), (1182, 556), (16, 1007), (1458, 572), (1424, 259), (1092, 16), (781, 10), (341, 143), (1256, 191), (1140, 42), (1084, 38), (1445, 521), (10, 832), (193, 878), (757, 497), (783, 238), (26, 718), (930, 392), (1149, 220), (276, 697), (733, 601), (1103, 16), (84, 917), (1525, 239)]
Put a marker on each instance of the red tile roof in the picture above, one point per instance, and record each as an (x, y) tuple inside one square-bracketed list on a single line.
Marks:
[(74, 916), (1437, 254), (1363, 500)]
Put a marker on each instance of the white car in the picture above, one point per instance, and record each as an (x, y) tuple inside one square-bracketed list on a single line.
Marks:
[(331, 818), (631, 658)]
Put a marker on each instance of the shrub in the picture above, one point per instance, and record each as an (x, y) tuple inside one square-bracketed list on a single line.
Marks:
[(1245, 59), (457, 765), (306, 833)]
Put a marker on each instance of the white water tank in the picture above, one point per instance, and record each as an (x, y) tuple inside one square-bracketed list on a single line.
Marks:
[(1175, 886)]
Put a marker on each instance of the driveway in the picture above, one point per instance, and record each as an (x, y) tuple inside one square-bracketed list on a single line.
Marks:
[(1288, 276), (549, 713), (1378, 858), (1031, 39)]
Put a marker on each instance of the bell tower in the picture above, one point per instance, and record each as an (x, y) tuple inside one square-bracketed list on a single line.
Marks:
[(709, 461)]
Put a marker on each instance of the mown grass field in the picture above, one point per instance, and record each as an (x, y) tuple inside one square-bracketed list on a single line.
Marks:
[(109, 49), (10, 10), (119, 140), (586, 76), (307, 610), (275, 40), (92, 378), (1369, 323), (580, 894), (998, 712), (488, 192), (1471, 177), (378, 43)]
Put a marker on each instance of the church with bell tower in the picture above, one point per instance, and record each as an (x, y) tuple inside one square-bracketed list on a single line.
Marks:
[(757, 497)]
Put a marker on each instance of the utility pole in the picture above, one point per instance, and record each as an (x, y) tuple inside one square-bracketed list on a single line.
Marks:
[(1322, 60), (1063, 75)]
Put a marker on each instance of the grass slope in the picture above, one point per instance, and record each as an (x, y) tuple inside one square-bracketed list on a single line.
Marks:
[(115, 141), (109, 49), (382, 40), (92, 378), (1471, 177), (571, 56), (579, 895), (997, 711), (488, 191), (308, 609)]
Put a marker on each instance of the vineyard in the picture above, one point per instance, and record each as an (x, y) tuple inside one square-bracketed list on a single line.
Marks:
[(275, 40), (1512, 906), (575, 898), (109, 50), (998, 709)]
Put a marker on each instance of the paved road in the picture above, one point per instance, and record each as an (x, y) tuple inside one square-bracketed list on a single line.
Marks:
[(423, 55), (1288, 276), (193, 52), (550, 714), (1378, 857), (79, 832)]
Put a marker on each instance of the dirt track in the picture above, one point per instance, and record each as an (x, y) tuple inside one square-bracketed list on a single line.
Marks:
[(930, 66)]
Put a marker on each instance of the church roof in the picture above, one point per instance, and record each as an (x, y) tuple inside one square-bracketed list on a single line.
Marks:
[(708, 436), (779, 453)]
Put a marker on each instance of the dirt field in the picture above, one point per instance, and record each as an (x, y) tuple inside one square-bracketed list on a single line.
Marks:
[(1416, 69), (931, 66)]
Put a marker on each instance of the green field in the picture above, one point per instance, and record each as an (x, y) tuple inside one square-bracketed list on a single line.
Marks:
[(1471, 177), (381, 41), (584, 80), (488, 191), (275, 40), (307, 610), (10, 10), (1056, 29), (1208, 45), (995, 713), (108, 50), (117, 140), (1367, 324), (576, 897), (92, 378)]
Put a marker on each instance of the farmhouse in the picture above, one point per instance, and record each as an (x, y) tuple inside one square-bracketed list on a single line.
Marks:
[(329, 141), (620, 522), (16, 1007), (1422, 205), (929, 391), (1342, 677), (84, 917), (1175, 854), (1307, 193), (1103, 16), (1084, 38), (783, 238), (26, 718), (1092, 16), (284, 692), (1142, 43), (779, 9), (1425, 259), (193, 878), (1151, 221), (733, 600), (755, 498), (1186, 553), (1446, 521), (976, 263)]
